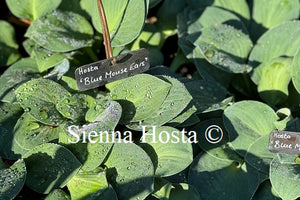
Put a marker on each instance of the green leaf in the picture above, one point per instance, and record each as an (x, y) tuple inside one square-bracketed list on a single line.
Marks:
[(58, 194), (17, 74), (31, 9), (216, 127), (166, 15), (207, 95), (75, 107), (61, 31), (12, 180), (9, 115), (265, 192), (222, 179), (102, 109), (88, 185), (238, 7), (2, 164), (176, 101), (185, 115), (46, 59), (162, 188), (42, 105), (93, 152), (130, 171), (274, 80), (211, 16), (170, 155), (285, 179), (246, 121), (267, 14), (139, 96), (286, 118), (8, 45), (265, 49), (50, 166), (225, 47), (28, 133), (153, 3), (295, 71), (123, 25), (259, 156), (184, 191)]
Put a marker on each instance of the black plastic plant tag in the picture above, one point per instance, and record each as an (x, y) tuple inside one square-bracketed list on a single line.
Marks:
[(284, 142), (102, 72)]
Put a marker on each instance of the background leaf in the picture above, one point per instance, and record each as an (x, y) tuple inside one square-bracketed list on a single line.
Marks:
[(123, 26), (61, 31), (265, 50), (12, 180), (8, 45), (267, 14), (9, 114), (50, 166), (58, 194), (17, 74), (31, 9)]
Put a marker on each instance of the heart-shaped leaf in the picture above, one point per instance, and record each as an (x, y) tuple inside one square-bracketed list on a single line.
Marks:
[(130, 171), (8, 46), (12, 180), (265, 192), (265, 50), (29, 133), (222, 179), (168, 148), (177, 100), (31, 9), (46, 59), (246, 121), (42, 105), (9, 114), (225, 47), (207, 95), (267, 14), (61, 31), (274, 80), (50, 166), (285, 179), (20, 72), (258, 154), (92, 150), (123, 26), (88, 185), (139, 96), (76, 106)]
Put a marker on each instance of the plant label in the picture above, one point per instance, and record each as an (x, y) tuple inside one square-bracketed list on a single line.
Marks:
[(102, 72), (284, 142)]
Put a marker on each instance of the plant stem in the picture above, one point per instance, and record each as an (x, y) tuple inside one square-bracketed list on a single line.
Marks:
[(105, 31)]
